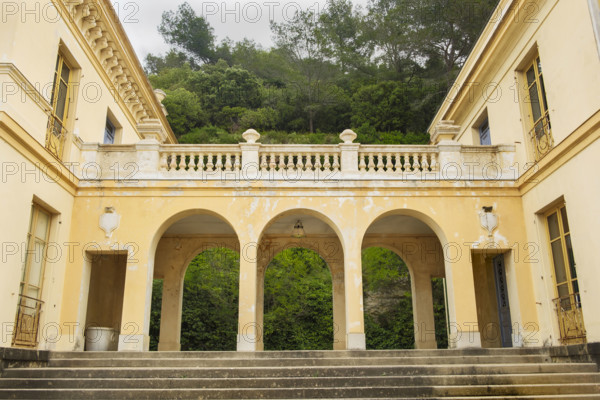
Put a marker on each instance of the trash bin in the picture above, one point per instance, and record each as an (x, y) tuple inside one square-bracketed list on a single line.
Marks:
[(101, 339)]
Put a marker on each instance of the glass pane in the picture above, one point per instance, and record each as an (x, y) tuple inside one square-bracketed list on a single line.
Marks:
[(32, 292), (41, 229), (539, 65), (565, 299), (553, 226), (565, 220), (36, 263), (570, 257), (535, 103), (65, 73), (61, 101), (530, 76), (575, 287), (559, 262)]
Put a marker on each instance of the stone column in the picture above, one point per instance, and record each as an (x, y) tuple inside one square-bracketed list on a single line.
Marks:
[(249, 331), (339, 311), (422, 298), (137, 297), (355, 319), (462, 307), (170, 315), (260, 306)]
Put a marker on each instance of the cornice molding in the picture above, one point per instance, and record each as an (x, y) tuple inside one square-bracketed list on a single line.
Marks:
[(96, 26)]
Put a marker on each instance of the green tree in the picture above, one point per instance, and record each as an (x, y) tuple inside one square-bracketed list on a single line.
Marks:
[(189, 32), (185, 111), (298, 302), (210, 301)]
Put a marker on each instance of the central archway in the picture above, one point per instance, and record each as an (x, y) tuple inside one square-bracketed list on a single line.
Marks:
[(318, 234), (298, 305)]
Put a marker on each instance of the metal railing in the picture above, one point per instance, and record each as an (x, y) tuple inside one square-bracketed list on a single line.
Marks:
[(541, 137), (27, 322), (570, 319), (55, 136)]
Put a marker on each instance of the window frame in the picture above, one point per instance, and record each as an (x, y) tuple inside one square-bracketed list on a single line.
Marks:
[(113, 130), (56, 143), (573, 299), (540, 129)]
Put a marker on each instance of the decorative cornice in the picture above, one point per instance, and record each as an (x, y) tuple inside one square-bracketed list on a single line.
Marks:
[(100, 29)]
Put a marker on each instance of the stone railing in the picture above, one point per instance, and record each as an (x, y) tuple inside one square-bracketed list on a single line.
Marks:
[(205, 158), (251, 161)]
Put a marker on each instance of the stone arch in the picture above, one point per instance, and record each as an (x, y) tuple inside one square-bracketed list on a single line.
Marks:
[(418, 240), (178, 240), (326, 242)]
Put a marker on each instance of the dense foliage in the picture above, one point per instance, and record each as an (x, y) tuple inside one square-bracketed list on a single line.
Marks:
[(382, 71), (297, 302)]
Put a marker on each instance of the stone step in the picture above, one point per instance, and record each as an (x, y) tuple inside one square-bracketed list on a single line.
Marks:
[(441, 353), (470, 370), (299, 382), (133, 361), (306, 393)]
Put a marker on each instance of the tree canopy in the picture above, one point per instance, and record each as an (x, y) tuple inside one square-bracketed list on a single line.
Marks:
[(382, 71)]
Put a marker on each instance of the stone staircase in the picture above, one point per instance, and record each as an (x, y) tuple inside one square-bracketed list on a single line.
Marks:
[(449, 374)]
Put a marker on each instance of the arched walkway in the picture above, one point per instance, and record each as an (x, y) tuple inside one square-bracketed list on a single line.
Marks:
[(179, 245), (417, 244), (319, 235)]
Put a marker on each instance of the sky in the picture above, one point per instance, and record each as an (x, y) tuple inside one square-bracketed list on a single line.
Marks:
[(234, 19)]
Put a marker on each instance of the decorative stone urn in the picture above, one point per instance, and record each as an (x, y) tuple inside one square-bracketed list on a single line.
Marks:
[(251, 136), (348, 136)]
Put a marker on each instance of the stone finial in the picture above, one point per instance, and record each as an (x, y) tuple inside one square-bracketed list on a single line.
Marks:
[(445, 130), (348, 136), (251, 136)]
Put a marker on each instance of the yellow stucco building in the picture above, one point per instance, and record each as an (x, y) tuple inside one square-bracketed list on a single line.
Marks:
[(98, 199)]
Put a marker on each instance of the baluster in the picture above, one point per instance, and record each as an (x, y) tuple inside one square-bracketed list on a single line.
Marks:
[(424, 162), (380, 164), (362, 165), (398, 163), (237, 163), (327, 164), (200, 166), (371, 163), (389, 165), (336, 162), (308, 166), (263, 163), (210, 167), (281, 162), (406, 164), (300, 162), (290, 163), (164, 164), (272, 162), (228, 163), (434, 164), (415, 164), (219, 164), (181, 162), (318, 164)]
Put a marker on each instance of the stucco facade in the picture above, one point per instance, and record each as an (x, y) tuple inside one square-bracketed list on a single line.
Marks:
[(143, 207)]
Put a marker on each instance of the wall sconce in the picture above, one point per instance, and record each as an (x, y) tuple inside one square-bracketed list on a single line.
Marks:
[(298, 231)]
